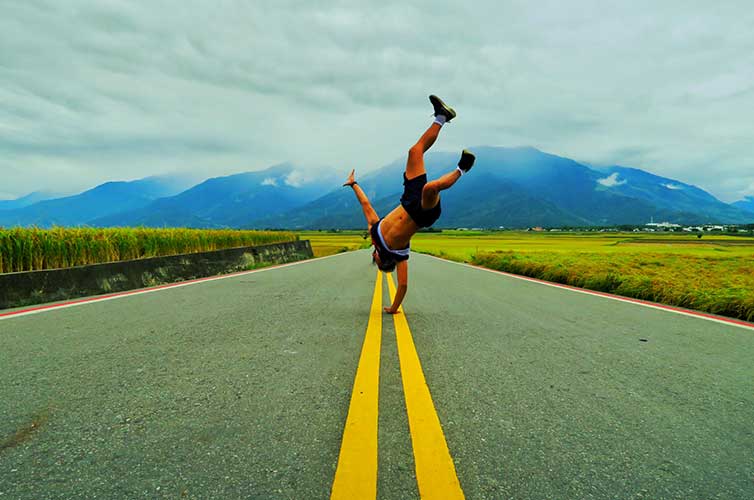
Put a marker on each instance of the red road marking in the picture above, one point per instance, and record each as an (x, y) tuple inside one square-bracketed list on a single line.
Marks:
[(100, 298)]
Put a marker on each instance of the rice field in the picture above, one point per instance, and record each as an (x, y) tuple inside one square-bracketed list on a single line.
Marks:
[(329, 243), (34, 249), (714, 274)]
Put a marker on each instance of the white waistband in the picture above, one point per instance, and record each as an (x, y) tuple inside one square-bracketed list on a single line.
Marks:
[(402, 252)]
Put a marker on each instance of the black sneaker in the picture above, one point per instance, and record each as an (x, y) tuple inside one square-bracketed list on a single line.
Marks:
[(441, 108), (466, 161)]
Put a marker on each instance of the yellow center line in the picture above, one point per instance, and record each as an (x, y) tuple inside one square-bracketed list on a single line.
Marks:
[(356, 475), (435, 471)]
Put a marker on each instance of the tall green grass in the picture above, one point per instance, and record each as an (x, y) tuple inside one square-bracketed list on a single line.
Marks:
[(32, 249), (723, 286)]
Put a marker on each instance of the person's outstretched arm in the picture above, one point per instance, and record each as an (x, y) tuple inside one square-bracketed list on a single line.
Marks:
[(369, 212), (400, 292)]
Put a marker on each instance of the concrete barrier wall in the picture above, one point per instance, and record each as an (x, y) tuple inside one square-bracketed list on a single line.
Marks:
[(36, 287)]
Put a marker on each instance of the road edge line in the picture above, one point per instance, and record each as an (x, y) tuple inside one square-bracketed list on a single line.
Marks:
[(652, 305), (141, 291)]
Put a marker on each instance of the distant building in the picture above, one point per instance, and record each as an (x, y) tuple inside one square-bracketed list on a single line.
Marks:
[(663, 225)]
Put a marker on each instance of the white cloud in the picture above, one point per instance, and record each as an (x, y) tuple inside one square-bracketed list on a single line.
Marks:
[(297, 178), (91, 91), (674, 187), (612, 180), (269, 181)]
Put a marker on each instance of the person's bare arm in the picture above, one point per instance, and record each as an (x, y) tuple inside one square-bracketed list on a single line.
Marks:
[(400, 293), (431, 191), (369, 212)]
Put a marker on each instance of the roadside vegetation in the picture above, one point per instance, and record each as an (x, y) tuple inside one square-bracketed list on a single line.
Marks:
[(332, 242), (36, 249), (714, 273)]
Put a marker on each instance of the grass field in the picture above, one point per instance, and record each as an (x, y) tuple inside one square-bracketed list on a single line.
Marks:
[(329, 243), (713, 274), (36, 249)]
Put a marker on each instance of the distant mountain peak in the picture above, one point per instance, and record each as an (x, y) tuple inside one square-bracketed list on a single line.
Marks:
[(26, 200), (747, 204)]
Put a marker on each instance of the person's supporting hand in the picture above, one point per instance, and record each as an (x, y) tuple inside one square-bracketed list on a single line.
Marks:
[(389, 310), (350, 181)]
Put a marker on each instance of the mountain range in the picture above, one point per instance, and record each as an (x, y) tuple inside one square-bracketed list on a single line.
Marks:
[(524, 187), (82, 209), (231, 201), (510, 187)]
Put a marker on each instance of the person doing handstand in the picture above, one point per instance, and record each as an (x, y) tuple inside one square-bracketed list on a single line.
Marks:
[(419, 206)]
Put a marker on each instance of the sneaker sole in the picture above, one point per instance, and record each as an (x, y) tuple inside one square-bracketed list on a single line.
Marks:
[(450, 113)]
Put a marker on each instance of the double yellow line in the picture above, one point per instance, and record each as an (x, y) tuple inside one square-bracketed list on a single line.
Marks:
[(356, 475)]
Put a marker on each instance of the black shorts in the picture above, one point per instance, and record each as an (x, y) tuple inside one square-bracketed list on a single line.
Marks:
[(412, 202)]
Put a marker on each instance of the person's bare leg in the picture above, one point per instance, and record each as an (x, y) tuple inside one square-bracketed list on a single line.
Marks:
[(431, 190), (415, 162)]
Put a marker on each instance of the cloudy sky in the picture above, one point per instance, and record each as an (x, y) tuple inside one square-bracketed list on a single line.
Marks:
[(107, 89)]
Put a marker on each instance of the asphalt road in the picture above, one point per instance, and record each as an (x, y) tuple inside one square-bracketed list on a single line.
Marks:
[(240, 388)]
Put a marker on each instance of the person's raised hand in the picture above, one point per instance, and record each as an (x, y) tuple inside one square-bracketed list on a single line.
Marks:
[(350, 181)]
